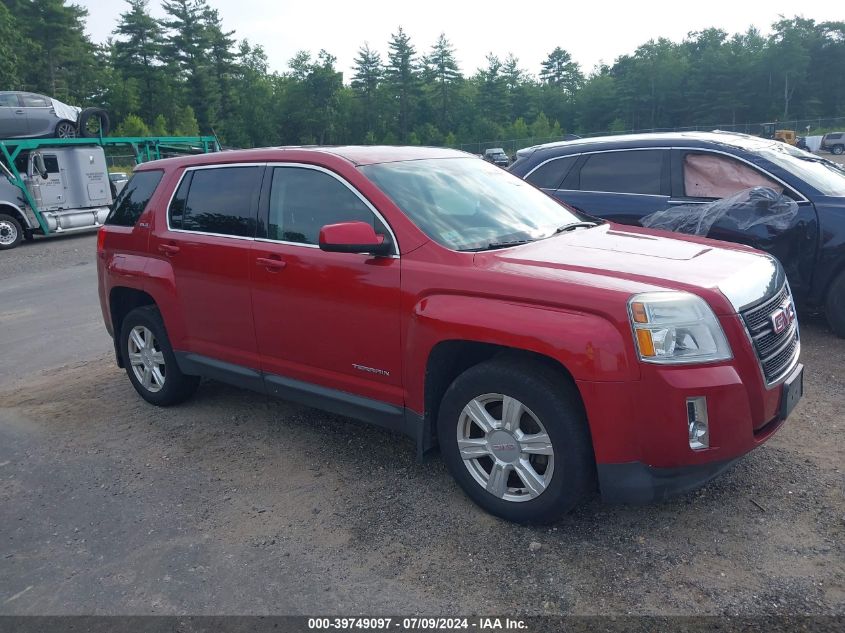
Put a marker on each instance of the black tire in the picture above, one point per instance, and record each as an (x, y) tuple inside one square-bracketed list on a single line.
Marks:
[(65, 129), (837, 149), (88, 120), (177, 386), (11, 232), (555, 402), (834, 308)]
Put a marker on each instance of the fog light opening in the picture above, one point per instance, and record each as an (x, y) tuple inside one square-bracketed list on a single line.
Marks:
[(697, 423)]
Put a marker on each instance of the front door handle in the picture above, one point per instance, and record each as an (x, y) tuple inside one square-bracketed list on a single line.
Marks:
[(168, 249), (271, 263)]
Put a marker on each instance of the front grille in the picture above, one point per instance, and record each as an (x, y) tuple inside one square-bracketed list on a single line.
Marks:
[(775, 351)]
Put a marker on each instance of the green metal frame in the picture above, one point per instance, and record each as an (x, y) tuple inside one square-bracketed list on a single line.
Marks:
[(145, 149)]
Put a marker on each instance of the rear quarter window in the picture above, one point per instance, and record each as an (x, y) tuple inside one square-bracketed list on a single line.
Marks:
[(134, 197), (550, 175)]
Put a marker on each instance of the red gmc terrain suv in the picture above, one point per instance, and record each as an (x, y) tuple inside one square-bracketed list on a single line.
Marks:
[(430, 292)]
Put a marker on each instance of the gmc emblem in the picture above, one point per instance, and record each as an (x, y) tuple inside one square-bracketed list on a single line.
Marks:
[(504, 447), (783, 317)]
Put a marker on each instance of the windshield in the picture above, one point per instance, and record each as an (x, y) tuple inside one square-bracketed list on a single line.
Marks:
[(468, 204), (815, 171)]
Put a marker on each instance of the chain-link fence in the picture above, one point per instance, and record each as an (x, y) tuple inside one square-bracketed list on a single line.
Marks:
[(802, 127)]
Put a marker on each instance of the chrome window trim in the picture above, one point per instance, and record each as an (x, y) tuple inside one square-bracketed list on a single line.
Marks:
[(342, 180), (614, 193), (599, 151), (549, 160), (678, 147), (179, 184), (351, 188)]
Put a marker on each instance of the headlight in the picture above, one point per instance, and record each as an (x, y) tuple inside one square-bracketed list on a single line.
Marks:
[(676, 327)]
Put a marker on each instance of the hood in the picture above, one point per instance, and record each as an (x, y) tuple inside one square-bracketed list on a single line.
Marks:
[(647, 258)]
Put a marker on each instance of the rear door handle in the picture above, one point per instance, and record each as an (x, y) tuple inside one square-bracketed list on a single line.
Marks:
[(271, 263), (19, 112), (168, 249)]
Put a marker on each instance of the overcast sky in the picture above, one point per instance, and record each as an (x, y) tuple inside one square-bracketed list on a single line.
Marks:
[(592, 31)]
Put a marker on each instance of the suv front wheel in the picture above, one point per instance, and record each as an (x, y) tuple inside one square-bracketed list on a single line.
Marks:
[(514, 435), (149, 359)]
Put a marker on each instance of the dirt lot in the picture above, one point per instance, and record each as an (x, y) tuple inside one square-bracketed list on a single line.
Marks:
[(236, 503)]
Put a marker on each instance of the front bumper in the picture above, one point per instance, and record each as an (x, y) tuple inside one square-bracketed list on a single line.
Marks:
[(640, 432), (636, 482)]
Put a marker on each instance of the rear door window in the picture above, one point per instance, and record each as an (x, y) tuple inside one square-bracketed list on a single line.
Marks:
[(639, 171), (9, 100), (550, 175), (34, 101), (133, 199), (219, 200)]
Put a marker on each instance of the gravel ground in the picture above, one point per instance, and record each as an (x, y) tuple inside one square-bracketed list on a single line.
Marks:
[(234, 503)]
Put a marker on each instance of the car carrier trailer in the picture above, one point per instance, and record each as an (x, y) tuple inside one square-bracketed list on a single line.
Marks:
[(52, 186)]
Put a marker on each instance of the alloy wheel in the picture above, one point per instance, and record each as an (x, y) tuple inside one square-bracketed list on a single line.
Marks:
[(146, 359), (65, 130), (505, 447)]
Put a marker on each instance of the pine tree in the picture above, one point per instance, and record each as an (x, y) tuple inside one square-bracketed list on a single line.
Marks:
[(137, 55), (492, 90), (366, 78), (222, 60), (188, 50), (441, 74), (61, 57), (402, 75), (560, 70)]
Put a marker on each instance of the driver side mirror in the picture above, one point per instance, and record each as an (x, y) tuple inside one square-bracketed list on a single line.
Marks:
[(353, 237), (40, 167)]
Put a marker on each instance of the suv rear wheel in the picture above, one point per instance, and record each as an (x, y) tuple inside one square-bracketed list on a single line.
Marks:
[(834, 308), (149, 359), (837, 149), (515, 437)]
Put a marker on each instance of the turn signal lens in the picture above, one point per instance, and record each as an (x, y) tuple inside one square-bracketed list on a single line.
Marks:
[(638, 312), (645, 343)]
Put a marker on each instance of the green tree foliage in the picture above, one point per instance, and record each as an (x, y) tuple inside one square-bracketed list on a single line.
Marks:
[(132, 125), (10, 49), (366, 79), (54, 55), (187, 74), (402, 78), (137, 56), (560, 70), (441, 76)]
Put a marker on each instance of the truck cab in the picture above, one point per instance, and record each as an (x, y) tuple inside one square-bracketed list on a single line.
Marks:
[(68, 185)]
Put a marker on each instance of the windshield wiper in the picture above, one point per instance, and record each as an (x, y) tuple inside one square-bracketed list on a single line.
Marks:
[(493, 245), (575, 225)]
